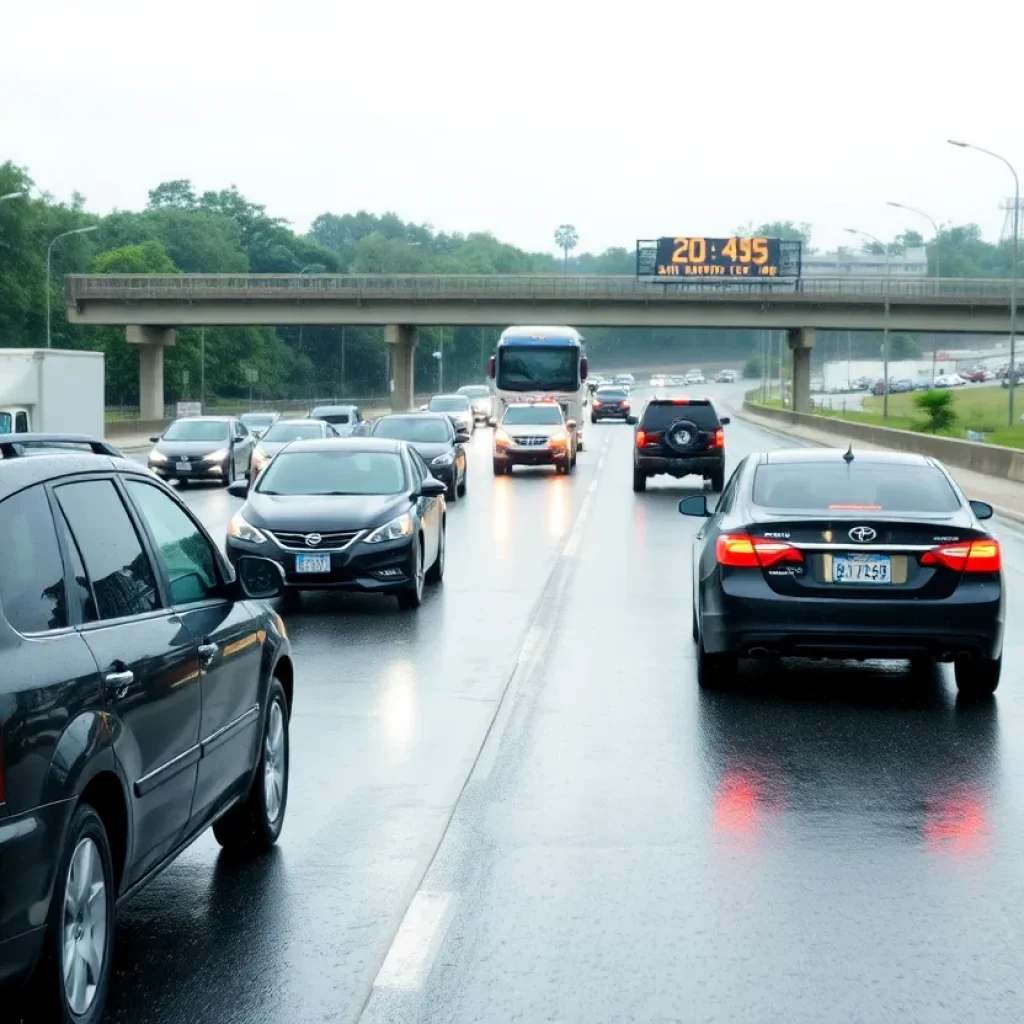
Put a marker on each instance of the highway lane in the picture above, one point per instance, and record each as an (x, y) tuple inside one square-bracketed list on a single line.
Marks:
[(811, 846)]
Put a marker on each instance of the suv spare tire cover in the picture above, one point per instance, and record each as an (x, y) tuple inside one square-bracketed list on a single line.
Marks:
[(683, 435)]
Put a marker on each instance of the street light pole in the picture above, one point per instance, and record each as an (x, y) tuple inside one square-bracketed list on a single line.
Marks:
[(49, 253), (202, 368), (885, 321), (1011, 375), (935, 228), (13, 195)]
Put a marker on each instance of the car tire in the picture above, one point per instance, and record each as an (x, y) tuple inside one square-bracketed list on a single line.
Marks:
[(452, 494), (978, 677), (500, 469), (717, 479), (88, 847), (593, 419), (465, 482), (436, 572), (694, 628), (228, 476), (580, 446), (639, 481), (714, 671), (254, 826), (411, 597), (564, 467)]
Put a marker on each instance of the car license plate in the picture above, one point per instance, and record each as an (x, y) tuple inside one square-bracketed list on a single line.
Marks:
[(183, 467), (862, 569), (312, 563)]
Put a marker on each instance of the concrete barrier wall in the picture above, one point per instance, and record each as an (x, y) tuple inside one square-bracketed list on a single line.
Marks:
[(990, 459)]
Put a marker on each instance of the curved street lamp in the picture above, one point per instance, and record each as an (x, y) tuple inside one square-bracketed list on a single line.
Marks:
[(935, 227), (1011, 375), (49, 252)]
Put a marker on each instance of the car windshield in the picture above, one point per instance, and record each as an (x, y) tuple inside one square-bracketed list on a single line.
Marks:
[(859, 487), (475, 391), (659, 415), (546, 415), (333, 472), (283, 431), (196, 430), (454, 403), (258, 419), (530, 367), (611, 394), (411, 428)]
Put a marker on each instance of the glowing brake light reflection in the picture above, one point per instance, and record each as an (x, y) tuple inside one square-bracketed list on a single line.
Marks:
[(956, 823), (744, 799), (967, 556), (740, 551)]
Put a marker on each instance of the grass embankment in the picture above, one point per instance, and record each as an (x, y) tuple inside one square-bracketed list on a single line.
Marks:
[(983, 409)]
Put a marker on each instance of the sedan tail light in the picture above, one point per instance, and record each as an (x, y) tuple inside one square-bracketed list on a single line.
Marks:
[(718, 440), (967, 556), (740, 551), (596, 404), (641, 438)]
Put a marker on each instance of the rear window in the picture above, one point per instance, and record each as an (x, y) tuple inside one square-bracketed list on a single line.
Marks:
[(612, 394), (863, 487), (659, 415)]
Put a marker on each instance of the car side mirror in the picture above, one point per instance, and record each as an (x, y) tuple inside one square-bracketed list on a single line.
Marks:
[(462, 437), (632, 421), (982, 509), (238, 488), (155, 438), (259, 578), (695, 505), (432, 488), (571, 424), (725, 421)]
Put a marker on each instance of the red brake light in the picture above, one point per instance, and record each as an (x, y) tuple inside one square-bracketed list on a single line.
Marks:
[(718, 441), (625, 405), (597, 404), (680, 401), (740, 551), (641, 438), (967, 556)]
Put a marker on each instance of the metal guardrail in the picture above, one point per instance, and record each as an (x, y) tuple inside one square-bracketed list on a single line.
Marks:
[(79, 288)]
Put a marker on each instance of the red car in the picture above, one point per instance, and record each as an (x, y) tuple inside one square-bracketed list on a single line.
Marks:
[(976, 375)]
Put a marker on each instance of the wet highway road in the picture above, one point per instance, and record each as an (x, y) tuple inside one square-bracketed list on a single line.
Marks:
[(606, 843)]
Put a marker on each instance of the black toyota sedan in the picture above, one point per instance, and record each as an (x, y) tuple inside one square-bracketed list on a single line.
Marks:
[(196, 448), (610, 403), (346, 514), (832, 554), (436, 437)]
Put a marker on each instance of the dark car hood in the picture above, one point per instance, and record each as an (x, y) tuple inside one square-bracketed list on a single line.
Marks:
[(190, 448), (430, 449), (306, 513)]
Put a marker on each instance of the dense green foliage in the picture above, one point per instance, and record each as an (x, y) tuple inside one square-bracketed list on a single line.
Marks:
[(182, 231), (938, 407)]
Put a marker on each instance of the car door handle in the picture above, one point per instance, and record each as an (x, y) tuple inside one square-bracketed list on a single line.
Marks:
[(207, 652), (119, 681)]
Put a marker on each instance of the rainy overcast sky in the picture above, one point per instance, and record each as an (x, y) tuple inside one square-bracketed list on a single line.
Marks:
[(630, 120)]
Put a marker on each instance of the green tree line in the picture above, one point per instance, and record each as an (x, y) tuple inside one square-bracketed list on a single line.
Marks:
[(181, 230)]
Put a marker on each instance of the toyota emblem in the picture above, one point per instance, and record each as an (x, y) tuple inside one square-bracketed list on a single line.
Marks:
[(861, 534), (313, 539)]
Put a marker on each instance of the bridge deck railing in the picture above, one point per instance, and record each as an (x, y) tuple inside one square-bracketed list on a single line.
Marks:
[(310, 287)]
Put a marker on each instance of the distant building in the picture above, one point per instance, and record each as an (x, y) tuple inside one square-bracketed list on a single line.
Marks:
[(912, 263)]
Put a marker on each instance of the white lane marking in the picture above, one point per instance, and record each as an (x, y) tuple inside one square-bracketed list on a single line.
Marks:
[(533, 638), (419, 937)]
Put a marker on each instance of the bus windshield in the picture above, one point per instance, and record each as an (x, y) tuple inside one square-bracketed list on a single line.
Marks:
[(535, 367)]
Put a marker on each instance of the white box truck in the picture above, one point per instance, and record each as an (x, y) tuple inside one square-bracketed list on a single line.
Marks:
[(51, 391)]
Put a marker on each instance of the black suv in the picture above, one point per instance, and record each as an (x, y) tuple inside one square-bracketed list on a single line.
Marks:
[(680, 437), (145, 696)]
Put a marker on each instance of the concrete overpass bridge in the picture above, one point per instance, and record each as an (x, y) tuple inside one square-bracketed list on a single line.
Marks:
[(150, 307)]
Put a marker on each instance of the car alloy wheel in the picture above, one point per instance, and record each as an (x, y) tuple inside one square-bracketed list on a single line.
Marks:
[(411, 597), (85, 927), (436, 572), (274, 769)]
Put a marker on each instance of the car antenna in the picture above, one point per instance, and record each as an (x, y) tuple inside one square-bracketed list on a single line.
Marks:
[(848, 454)]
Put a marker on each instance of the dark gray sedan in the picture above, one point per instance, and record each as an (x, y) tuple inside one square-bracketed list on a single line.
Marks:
[(217, 448)]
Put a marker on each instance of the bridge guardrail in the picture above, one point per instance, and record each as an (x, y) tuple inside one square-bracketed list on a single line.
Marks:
[(196, 287)]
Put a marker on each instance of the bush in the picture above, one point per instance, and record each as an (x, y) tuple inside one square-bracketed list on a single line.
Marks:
[(938, 407), (752, 368)]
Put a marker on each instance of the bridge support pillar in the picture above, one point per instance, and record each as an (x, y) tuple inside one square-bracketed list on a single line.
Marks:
[(151, 341), (402, 340), (801, 343)]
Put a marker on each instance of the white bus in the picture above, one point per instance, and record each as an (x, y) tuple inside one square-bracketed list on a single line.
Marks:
[(543, 362)]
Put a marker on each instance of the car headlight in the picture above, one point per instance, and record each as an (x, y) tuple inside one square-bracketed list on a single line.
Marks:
[(218, 456), (244, 530), (559, 437), (501, 439), (443, 460), (399, 527), (157, 457)]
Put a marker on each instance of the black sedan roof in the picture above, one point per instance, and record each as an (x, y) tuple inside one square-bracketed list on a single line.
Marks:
[(347, 444), (827, 456)]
